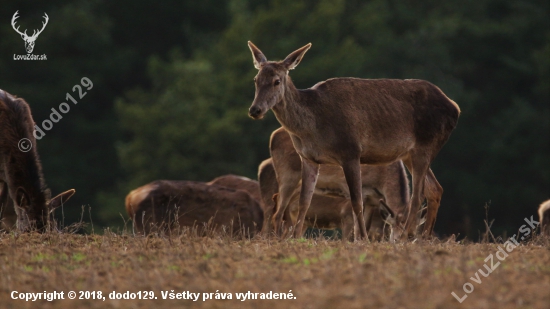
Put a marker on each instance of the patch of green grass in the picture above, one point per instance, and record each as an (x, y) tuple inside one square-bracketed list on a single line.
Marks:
[(78, 256)]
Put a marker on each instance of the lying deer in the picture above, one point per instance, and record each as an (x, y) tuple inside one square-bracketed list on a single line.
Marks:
[(25, 199), (252, 187), (236, 182), (325, 212), (544, 218), (350, 121), (164, 204)]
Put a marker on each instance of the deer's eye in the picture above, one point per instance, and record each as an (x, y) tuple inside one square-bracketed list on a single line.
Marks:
[(277, 82)]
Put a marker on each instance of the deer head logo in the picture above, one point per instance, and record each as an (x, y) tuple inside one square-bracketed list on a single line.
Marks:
[(29, 40)]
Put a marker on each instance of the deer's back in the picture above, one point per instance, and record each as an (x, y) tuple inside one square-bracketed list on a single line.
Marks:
[(239, 183), (193, 203), (15, 122), (382, 119)]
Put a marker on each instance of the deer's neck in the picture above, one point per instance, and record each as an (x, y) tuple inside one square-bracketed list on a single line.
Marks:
[(293, 112), (26, 172)]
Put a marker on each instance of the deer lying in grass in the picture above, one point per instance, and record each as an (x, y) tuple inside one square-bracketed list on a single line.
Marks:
[(236, 182), (165, 204), (252, 187), (544, 218), (24, 199), (350, 121)]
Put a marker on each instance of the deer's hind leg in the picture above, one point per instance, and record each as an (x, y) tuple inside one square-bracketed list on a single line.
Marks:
[(310, 172), (418, 165), (286, 190)]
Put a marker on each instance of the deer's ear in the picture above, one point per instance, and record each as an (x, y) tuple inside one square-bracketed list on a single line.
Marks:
[(292, 60), (60, 199), (257, 55)]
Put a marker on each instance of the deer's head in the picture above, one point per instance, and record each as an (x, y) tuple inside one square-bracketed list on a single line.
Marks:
[(29, 40), (38, 211), (271, 79), (398, 221)]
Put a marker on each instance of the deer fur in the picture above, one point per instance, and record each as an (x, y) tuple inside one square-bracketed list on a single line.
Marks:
[(25, 198), (236, 182), (267, 180), (164, 204), (386, 182), (544, 218), (326, 212), (351, 121)]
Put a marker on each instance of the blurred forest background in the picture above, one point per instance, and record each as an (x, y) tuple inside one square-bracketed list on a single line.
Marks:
[(173, 84)]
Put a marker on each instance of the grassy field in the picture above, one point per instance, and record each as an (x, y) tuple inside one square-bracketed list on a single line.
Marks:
[(320, 273)]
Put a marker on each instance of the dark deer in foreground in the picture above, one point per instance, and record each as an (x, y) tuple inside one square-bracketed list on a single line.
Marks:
[(544, 218), (29, 40), (165, 204), (387, 182), (325, 212), (24, 197), (352, 121)]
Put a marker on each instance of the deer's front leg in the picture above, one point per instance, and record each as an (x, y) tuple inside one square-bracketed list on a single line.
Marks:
[(352, 171), (310, 171)]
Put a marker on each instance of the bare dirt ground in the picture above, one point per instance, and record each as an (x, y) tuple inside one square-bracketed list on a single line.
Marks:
[(320, 273)]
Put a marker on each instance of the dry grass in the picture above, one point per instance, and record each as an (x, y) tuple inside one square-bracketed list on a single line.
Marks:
[(321, 273)]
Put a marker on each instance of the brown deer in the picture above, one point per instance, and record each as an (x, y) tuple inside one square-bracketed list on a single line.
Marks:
[(387, 182), (326, 212), (8, 216), (29, 40), (239, 183), (351, 121), (267, 180), (544, 218), (164, 204), (252, 187), (24, 199)]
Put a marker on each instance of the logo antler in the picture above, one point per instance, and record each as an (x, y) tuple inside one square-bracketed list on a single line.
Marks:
[(29, 40)]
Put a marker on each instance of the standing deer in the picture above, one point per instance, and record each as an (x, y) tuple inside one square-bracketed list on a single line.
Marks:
[(24, 193), (29, 40), (352, 121), (387, 182), (544, 218)]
